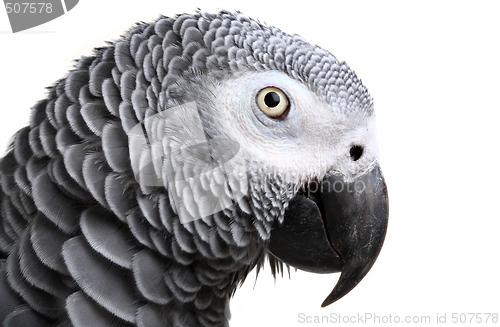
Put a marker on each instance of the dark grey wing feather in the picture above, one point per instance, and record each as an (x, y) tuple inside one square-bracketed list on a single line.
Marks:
[(162, 243), (119, 198), (8, 299), (106, 283), (61, 209), (140, 229), (14, 224), (47, 139), (176, 287), (111, 95), (74, 83), (95, 172), (99, 74), (66, 183), (123, 59), (22, 151), (59, 112), (21, 179), (109, 237), (167, 215), (204, 298), (35, 142), (149, 315), (180, 256), (217, 245), (148, 271), (86, 96), (184, 238), (47, 241), (65, 138), (73, 161), (76, 121), (127, 115), (150, 210), (6, 242), (185, 279), (24, 316), (9, 231), (127, 86), (115, 147), (39, 300), (38, 274), (95, 115), (83, 312)]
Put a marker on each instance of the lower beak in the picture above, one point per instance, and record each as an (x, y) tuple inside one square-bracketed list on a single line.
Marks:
[(339, 226)]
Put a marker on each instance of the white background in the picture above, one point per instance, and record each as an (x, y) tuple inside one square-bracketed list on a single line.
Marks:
[(433, 69)]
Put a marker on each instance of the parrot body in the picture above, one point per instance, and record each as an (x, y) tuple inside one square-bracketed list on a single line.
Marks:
[(84, 243)]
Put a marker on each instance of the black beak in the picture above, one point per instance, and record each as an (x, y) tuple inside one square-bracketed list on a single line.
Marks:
[(333, 226)]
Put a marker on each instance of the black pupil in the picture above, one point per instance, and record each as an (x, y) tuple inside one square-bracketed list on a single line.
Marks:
[(356, 152), (272, 99)]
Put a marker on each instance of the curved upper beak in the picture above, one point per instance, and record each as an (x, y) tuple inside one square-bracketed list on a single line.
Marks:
[(333, 226)]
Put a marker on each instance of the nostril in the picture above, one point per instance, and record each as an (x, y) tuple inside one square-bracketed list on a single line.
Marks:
[(356, 152)]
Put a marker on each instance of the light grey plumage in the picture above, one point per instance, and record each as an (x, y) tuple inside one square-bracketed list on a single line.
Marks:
[(84, 243)]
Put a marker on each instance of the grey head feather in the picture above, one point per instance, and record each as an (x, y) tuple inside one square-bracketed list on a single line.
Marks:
[(72, 209)]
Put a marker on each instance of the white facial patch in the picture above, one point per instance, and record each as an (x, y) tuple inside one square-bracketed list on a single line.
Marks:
[(312, 139)]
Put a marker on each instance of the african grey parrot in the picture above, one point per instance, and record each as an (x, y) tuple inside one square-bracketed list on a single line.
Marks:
[(168, 165)]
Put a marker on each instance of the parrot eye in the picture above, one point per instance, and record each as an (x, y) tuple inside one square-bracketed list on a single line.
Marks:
[(273, 102)]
